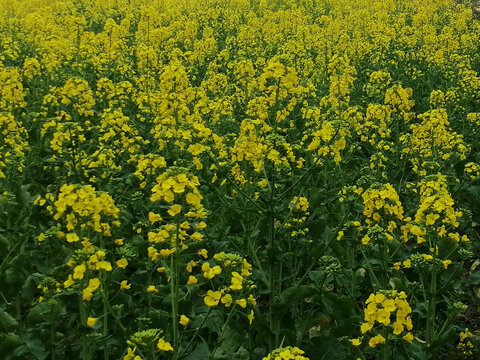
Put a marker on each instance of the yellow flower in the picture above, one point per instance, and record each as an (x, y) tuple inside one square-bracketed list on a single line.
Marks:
[(366, 327), (251, 316), (122, 263), (194, 199), (163, 345), (91, 321), (69, 282), (192, 280), (201, 225), (210, 272), (374, 341), (131, 355), (446, 263), (227, 300), (167, 252), (93, 285), (41, 237), (356, 342), (174, 210), (153, 218), (242, 303), (184, 320), (203, 252), (124, 285), (408, 337), (365, 240), (397, 328), (152, 289), (212, 298), (103, 265), (79, 271), (72, 237), (237, 281)]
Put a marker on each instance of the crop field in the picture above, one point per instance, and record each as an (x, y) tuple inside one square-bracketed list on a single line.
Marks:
[(239, 180)]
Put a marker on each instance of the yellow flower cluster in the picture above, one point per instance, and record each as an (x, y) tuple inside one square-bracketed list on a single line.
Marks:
[(12, 94), (168, 188), (286, 353), (238, 270), (442, 144), (465, 344), (435, 211), (13, 144), (82, 207), (168, 185), (399, 101), (384, 198), (254, 94), (380, 307), (472, 169)]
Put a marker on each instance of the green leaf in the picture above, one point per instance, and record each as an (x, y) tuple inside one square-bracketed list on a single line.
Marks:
[(475, 278), (231, 346), (201, 351), (317, 277), (4, 246), (325, 348), (31, 346), (7, 322), (297, 293), (8, 342), (30, 286)]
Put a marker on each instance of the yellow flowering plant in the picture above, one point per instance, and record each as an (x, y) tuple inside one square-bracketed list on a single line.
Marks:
[(222, 179)]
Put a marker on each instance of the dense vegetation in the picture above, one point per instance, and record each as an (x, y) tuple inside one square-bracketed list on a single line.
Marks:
[(239, 179)]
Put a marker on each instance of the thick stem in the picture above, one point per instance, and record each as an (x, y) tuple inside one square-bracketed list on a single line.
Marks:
[(105, 303), (372, 273), (220, 339), (83, 321), (430, 331), (105, 314), (174, 293), (273, 269), (196, 333), (52, 338), (387, 351)]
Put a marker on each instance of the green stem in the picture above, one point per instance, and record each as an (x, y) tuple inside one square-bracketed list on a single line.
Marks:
[(273, 269), (83, 321), (196, 333), (115, 316), (384, 263), (430, 331), (220, 339), (372, 273), (105, 313), (255, 203), (387, 352), (174, 288), (52, 338), (105, 303), (258, 264)]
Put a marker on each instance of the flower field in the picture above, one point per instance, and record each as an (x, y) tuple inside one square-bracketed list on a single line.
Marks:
[(239, 179)]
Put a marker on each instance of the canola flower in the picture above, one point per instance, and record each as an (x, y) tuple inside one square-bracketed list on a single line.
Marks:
[(380, 308), (286, 353), (186, 150)]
